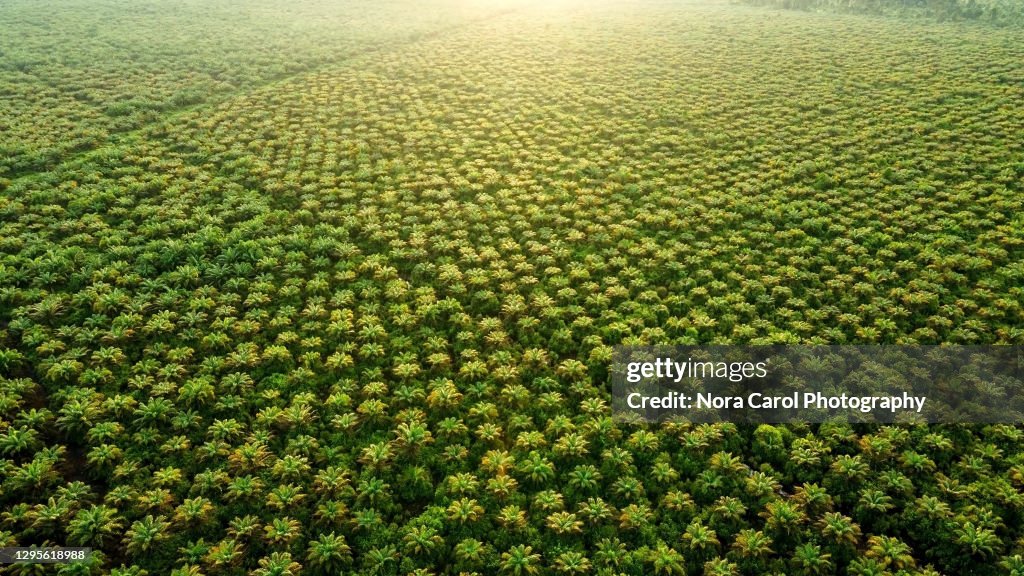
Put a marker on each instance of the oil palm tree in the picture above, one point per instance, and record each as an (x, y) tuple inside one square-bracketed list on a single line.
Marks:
[(277, 564), (666, 560), (94, 526), (328, 552), (422, 541), (890, 552), (520, 560), (809, 559)]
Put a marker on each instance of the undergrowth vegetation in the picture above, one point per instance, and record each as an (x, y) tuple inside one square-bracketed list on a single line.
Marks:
[(358, 319)]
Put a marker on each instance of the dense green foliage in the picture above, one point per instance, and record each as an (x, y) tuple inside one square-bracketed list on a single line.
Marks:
[(358, 319)]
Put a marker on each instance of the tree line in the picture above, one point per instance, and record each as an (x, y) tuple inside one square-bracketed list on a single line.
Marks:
[(1002, 12)]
